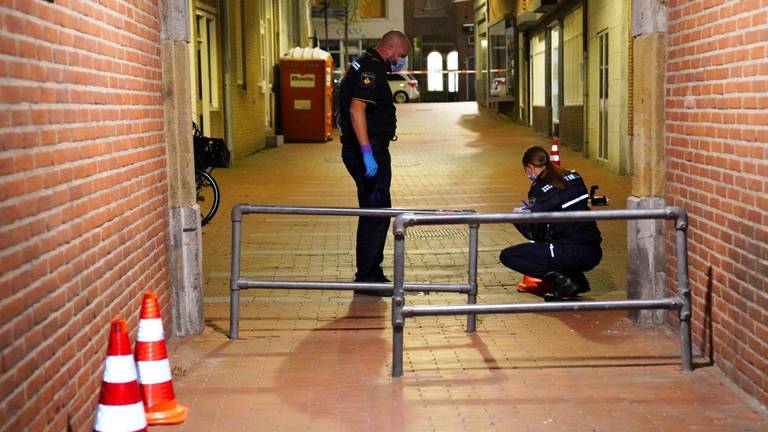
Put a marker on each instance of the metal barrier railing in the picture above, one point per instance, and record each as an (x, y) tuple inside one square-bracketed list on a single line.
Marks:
[(681, 302), (236, 283)]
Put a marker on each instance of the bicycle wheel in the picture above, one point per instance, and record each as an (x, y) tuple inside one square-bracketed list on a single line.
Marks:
[(207, 196)]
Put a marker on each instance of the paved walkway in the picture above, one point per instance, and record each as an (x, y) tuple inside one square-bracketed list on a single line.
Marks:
[(320, 360)]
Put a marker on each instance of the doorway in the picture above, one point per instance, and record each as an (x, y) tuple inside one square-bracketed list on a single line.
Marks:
[(206, 67), (602, 115), (554, 37)]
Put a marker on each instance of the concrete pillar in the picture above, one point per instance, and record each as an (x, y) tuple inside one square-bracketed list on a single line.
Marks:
[(185, 252), (646, 266)]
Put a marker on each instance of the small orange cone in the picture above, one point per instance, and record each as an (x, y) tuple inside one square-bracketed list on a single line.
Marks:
[(120, 407), (554, 154), (154, 368), (534, 285)]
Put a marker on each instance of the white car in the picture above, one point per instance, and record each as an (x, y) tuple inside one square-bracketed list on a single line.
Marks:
[(404, 87), (499, 87)]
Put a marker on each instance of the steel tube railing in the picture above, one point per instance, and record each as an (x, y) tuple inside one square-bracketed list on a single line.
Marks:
[(360, 286), (410, 311), (682, 301), (236, 283), (472, 274)]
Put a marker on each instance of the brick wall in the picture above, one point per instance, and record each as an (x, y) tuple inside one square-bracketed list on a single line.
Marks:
[(248, 118), (83, 198), (541, 120), (571, 126), (717, 169)]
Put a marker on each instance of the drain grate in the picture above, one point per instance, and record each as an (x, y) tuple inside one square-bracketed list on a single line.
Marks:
[(436, 233)]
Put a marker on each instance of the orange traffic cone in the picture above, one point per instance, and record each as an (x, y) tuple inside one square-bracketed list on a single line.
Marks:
[(534, 285), (120, 407), (154, 368), (554, 154)]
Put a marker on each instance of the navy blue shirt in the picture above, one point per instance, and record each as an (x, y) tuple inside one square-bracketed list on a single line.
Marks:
[(366, 80), (545, 197)]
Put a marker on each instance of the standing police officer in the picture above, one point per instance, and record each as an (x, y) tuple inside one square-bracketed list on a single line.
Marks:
[(366, 117)]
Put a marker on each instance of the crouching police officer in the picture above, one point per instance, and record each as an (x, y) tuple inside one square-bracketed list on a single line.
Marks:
[(366, 117), (560, 252)]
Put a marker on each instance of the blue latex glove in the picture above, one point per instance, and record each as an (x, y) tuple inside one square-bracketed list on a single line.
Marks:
[(371, 167)]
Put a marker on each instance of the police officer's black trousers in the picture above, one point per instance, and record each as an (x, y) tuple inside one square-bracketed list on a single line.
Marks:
[(537, 259), (372, 192)]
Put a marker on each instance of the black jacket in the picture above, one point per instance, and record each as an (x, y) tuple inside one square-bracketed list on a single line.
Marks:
[(544, 197)]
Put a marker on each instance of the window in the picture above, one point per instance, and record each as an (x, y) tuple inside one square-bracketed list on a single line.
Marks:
[(395, 77), (373, 9), (435, 71), (453, 77), (366, 8)]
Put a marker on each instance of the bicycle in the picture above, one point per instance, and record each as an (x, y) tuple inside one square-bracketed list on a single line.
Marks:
[(208, 195), (209, 153)]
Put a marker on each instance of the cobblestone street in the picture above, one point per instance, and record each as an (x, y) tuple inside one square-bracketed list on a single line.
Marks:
[(320, 360)]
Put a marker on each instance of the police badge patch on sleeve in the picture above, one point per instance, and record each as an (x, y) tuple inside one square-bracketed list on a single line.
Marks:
[(367, 78)]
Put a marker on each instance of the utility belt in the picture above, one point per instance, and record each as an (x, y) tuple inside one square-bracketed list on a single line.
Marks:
[(375, 140)]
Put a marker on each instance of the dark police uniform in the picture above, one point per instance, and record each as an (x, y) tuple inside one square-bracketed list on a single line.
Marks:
[(366, 80), (569, 248)]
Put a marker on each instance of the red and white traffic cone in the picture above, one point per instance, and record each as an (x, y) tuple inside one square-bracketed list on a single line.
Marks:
[(154, 368), (533, 285), (120, 408), (554, 153)]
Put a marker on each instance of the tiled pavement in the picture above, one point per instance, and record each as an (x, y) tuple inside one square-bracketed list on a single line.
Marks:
[(320, 360)]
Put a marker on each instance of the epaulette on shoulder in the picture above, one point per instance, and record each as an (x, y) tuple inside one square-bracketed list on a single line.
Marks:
[(572, 175)]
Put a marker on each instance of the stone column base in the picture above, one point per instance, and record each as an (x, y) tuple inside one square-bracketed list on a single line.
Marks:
[(646, 255), (186, 266)]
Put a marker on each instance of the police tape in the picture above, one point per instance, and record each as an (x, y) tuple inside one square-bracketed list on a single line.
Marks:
[(426, 72)]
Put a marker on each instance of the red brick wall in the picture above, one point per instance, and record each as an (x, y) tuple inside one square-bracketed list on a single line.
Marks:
[(717, 169), (83, 197)]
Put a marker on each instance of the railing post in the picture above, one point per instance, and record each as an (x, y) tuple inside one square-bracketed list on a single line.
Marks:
[(472, 275), (683, 290), (398, 296), (234, 276)]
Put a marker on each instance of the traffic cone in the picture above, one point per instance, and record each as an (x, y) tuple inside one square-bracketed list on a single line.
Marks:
[(534, 285), (554, 154), (154, 368), (120, 407)]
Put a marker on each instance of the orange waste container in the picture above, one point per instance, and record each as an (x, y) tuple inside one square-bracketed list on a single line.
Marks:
[(306, 95)]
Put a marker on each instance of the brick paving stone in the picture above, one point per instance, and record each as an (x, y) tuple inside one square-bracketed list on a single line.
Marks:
[(320, 360)]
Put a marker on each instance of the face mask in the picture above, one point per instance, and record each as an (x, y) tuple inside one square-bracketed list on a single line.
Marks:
[(398, 65), (531, 177)]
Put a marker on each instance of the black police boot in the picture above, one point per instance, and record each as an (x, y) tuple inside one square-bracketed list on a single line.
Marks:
[(562, 286), (386, 292), (581, 281)]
